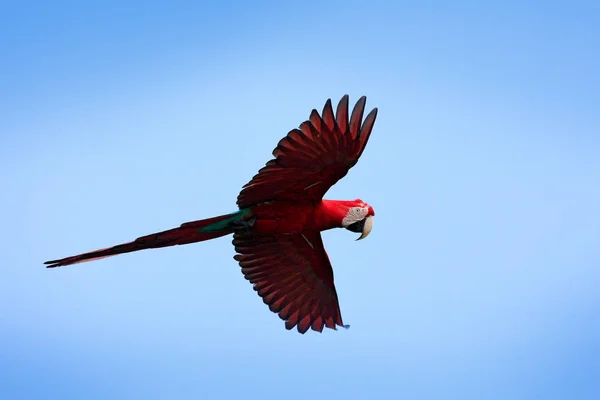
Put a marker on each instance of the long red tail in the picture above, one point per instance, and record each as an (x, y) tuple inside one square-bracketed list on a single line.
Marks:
[(189, 232)]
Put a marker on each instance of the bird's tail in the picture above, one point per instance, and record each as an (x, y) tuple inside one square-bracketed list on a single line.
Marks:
[(189, 232)]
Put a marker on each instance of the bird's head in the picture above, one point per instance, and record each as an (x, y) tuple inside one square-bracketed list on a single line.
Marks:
[(359, 218)]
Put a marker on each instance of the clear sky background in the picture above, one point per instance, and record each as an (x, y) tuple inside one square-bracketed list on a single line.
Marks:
[(480, 279)]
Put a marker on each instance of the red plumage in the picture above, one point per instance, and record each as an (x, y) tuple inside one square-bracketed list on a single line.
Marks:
[(282, 212)]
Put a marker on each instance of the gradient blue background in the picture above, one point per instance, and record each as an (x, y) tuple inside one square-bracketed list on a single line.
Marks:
[(480, 280)]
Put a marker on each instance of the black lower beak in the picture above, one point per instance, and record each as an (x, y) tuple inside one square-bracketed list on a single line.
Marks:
[(357, 227)]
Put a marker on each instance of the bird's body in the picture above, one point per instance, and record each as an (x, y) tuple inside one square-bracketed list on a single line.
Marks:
[(289, 218), (276, 231)]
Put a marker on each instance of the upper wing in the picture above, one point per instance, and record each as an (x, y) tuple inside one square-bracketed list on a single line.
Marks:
[(311, 159), (293, 275)]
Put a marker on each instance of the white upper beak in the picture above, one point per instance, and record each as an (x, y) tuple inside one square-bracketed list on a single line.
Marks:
[(367, 228)]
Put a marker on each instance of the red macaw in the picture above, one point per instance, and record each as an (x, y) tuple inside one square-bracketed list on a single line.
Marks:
[(276, 231)]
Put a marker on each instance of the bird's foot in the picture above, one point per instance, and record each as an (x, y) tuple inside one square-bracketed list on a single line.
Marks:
[(242, 226)]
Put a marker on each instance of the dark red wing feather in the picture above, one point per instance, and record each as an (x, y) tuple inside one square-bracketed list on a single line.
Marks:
[(312, 158), (293, 275)]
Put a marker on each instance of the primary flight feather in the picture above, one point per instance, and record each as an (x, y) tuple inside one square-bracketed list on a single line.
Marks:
[(277, 230)]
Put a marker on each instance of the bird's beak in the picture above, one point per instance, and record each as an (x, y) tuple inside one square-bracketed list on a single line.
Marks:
[(367, 227)]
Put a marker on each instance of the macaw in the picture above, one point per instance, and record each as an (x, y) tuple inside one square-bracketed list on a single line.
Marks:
[(276, 231)]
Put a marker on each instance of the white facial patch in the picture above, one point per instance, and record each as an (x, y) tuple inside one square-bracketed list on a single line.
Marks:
[(355, 214)]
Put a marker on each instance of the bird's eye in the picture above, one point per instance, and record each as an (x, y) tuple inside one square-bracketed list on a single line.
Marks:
[(356, 210)]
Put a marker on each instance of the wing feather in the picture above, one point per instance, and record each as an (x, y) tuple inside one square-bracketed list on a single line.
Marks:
[(341, 115)]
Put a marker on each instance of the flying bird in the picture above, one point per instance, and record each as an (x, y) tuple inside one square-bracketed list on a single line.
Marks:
[(277, 229)]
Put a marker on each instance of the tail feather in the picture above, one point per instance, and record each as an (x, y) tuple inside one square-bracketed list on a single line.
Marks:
[(189, 232)]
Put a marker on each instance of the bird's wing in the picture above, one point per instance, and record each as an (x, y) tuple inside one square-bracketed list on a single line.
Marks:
[(293, 275), (312, 158)]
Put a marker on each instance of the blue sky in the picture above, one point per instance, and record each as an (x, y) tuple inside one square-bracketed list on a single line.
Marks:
[(479, 281)]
